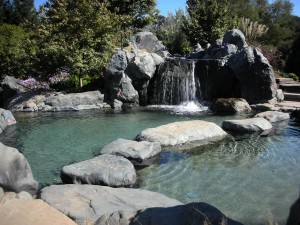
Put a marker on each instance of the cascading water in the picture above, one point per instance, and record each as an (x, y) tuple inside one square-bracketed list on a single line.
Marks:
[(174, 86)]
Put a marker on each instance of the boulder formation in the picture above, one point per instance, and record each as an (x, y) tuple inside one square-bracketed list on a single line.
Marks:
[(109, 170), (15, 172), (196, 132), (273, 116), (90, 201)]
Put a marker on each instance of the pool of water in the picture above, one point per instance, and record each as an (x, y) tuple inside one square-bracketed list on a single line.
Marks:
[(250, 179)]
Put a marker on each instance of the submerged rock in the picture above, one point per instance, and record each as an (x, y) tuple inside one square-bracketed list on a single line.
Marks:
[(186, 132), (15, 172), (231, 105), (107, 170), (82, 201), (247, 125), (132, 149), (273, 116), (37, 212), (190, 214)]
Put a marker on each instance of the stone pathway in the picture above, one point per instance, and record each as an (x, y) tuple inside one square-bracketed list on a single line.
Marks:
[(291, 91)]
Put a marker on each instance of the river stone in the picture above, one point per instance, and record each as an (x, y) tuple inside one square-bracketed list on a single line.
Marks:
[(107, 170), (190, 214), (132, 149), (247, 125), (231, 105), (185, 132), (15, 172), (273, 116), (262, 107), (37, 212), (80, 201), (74, 100)]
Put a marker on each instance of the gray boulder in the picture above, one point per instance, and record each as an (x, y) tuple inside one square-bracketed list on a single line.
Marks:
[(143, 66), (231, 105), (221, 52), (279, 95), (235, 37), (262, 107), (132, 149), (109, 170), (75, 101), (247, 125), (178, 133), (6, 119), (10, 87), (146, 41), (273, 116), (15, 172), (254, 74), (82, 201), (118, 62), (189, 214)]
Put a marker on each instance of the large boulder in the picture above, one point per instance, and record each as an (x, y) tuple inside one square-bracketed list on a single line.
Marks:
[(6, 119), (132, 149), (117, 63), (190, 214), (142, 66), (235, 37), (81, 201), (75, 101), (178, 133), (231, 105), (146, 41), (15, 172), (273, 116), (10, 87), (247, 125), (107, 170), (37, 212), (254, 74)]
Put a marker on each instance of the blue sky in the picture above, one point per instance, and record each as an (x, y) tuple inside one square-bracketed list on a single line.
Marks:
[(171, 5)]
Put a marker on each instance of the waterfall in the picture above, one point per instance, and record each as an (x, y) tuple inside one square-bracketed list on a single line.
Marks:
[(175, 84)]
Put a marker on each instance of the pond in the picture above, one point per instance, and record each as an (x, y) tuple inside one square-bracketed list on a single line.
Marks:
[(250, 179)]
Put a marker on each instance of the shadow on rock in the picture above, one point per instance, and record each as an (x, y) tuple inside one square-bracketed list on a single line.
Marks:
[(190, 214)]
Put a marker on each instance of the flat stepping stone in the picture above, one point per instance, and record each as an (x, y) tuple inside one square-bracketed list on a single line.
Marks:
[(132, 149), (109, 170), (185, 132), (247, 125), (273, 116), (80, 202)]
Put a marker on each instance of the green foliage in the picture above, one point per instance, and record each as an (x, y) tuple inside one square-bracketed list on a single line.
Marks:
[(15, 51), (79, 35), (169, 31), (208, 20), (17, 11), (136, 13), (293, 76)]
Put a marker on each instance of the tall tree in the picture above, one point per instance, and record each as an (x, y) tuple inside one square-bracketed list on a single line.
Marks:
[(6, 11), (24, 11), (76, 34), (139, 13), (208, 20)]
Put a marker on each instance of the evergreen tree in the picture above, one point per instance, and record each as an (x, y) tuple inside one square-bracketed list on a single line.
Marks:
[(79, 35), (208, 20)]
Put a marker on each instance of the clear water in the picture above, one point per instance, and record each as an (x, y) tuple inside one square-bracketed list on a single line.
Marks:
[(249, 179)]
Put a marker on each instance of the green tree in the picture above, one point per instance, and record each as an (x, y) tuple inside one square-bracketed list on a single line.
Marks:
[(6, 11), (15, 51), (79, 35), (136, 13), (208, 20)]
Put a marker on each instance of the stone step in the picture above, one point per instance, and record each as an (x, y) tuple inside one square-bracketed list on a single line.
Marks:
[(284, 80), (290, 88), (291, 96), (291, 104)]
